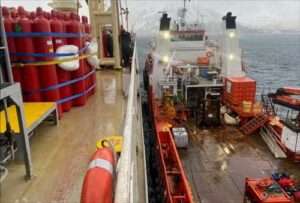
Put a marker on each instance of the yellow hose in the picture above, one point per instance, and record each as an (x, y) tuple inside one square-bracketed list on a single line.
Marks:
[(53, 62)]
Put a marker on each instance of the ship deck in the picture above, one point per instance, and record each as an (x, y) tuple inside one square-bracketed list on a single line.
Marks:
[(60, 154), (218, 160)]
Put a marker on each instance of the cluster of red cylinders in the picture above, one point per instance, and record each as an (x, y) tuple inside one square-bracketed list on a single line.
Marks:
[(39, 82)]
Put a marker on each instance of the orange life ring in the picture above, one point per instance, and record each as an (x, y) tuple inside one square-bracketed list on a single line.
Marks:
[(98, 181)]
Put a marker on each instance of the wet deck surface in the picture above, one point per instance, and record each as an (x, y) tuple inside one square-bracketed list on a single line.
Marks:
[(61, 154), (217, 162)]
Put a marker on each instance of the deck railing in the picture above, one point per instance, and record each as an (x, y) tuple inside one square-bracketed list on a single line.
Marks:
[(126, 190)]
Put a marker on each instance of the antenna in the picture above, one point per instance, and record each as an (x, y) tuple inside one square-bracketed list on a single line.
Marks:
[(184, 3)]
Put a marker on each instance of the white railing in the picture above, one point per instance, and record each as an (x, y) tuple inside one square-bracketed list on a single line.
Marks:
[(126, 190)]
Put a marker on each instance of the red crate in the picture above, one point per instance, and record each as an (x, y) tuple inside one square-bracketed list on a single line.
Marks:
[(239, 89)]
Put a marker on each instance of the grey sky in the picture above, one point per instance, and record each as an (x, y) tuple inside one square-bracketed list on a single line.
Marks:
[(284, 14), (253, 13)]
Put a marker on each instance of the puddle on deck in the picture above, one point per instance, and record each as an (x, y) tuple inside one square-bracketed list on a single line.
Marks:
[(218, 160)]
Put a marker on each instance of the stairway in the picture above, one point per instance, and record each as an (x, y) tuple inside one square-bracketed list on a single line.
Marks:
[(268, 104), (254, 124)]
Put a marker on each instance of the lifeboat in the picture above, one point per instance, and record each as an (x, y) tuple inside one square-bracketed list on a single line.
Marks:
[(287, 96)]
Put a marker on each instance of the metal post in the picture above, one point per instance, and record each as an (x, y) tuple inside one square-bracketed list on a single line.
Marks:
[(25, 142), (116, 33), (1, 76), (297, 134)]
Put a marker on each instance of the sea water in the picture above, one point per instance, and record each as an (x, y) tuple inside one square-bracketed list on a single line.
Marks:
[(273, 60)]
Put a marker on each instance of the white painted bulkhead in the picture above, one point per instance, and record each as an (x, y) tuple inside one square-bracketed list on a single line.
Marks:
[(188, 50), (291, 139)]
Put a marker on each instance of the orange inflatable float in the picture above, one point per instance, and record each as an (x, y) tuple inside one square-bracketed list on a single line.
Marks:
[(98, 181)]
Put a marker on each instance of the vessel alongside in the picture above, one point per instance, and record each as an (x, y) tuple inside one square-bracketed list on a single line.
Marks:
[(201, 86)]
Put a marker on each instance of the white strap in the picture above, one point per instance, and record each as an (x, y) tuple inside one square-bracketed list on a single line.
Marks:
[(102, 163)]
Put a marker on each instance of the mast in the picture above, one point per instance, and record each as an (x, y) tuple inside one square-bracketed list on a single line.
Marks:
[(184, 4), (182, 13)]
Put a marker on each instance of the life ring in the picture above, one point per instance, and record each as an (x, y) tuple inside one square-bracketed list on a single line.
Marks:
[(98, 181), (92, 50), (68, 65)]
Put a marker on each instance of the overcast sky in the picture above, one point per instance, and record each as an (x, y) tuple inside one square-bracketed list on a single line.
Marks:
[(253, 13)]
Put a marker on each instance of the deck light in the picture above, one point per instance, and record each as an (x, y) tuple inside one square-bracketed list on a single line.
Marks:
[(231, 34), (165, 59), (166, 35)]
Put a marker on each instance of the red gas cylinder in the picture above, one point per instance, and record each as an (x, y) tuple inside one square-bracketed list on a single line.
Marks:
[(88, 81), (47, 15), (44, 45), (86, 65), (29, 74), (57, 26), (9, 24), (13, 13), (98, 181), (105, 43), (27, 14), (79, 87), (297, 196), (87, 27), (89, 38), (32, 15)]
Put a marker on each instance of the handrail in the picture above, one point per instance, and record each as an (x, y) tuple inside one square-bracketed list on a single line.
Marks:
[(126, 170), (4, 173)]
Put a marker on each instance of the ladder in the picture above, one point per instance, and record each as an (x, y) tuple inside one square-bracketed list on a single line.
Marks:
[(254, 124), (268, 104), (4, 50)]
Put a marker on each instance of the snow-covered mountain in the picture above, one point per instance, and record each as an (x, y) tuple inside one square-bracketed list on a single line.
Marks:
[(253, 16)]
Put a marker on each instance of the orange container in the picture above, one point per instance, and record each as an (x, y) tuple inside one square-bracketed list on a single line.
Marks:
[(203, 60), (239, 89)]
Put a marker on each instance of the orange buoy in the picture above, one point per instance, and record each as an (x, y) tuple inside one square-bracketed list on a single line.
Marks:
[(98, 182)]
